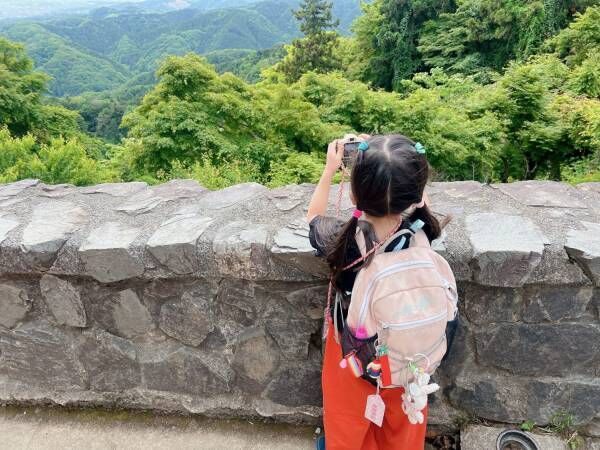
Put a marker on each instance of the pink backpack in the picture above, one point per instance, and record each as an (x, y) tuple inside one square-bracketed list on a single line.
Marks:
[(406, 297)]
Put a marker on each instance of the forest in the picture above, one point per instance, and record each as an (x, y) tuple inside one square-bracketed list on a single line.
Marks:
[(496, 90)]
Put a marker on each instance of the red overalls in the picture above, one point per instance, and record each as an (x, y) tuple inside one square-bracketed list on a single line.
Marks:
[(344, 400)]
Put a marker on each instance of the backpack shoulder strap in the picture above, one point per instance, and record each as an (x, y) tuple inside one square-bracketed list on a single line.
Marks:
[(420, 239)]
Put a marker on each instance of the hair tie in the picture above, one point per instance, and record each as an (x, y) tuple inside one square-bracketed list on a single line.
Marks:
[(357, 213), (363, 146), (419, 148)]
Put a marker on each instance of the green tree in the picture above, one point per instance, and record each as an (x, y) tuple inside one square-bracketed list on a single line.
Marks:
[(484, 35), (22, 107), (387, 35), (317, 50)]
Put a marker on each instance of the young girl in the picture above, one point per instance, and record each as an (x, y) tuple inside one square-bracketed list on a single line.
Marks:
[(388, 180)]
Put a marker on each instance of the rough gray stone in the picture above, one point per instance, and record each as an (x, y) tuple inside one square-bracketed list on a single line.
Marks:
[(36, 354), (6, 226), (110, 362), (593, 428), (174, 242), (107, 253), (309, 300), (584, 247), (12, 189), (189, 319), (479, 437), (502, 398), (463, 190), (131, 318), (240, 193), (147, 200), (288, 198), (256, 358), (289, 329), (295, 385), (237, 302), (527, 349), (57, 190), (240, 250), (291, 245), (64, 301), (14, 305), (52, 223), (484, 305), (543, 193), (506, 249), (184, 370), (550, 304), (116, 189)]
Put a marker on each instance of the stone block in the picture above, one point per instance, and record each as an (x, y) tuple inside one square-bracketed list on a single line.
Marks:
[(510, 399), (506, 248), (551, 304), (291, 246), (191, 318), (147, 200), (256, 358), (184, 371), (108, 254), (241, 250), (7, 224), (549, 349), (297, 385), (230, 196), (484, 305), (109, 362), (479, 437), (173, 244), (51, 224), (583, 246), (37, 354), (14, 305), (130, 316), (14, 189), (116, 189), (549, 194), (64, 301)]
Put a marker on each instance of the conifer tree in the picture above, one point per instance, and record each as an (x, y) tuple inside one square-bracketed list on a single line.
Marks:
[(316, 50)]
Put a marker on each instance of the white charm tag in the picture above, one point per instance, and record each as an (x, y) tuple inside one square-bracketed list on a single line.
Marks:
[(375, 409)]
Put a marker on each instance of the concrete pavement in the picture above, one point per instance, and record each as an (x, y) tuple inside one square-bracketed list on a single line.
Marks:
[(57, 428)]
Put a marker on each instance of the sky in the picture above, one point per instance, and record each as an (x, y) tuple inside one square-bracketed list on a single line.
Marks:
[(31, 8)]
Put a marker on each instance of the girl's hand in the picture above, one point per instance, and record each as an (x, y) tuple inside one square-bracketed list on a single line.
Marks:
[(335, 152)]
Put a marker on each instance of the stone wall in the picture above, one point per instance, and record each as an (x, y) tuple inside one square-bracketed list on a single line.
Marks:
[(176, 298)]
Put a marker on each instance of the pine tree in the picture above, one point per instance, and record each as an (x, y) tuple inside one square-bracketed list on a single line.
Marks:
[(316, 50)]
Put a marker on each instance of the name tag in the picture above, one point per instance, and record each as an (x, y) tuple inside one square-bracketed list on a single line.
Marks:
[(375, 409)]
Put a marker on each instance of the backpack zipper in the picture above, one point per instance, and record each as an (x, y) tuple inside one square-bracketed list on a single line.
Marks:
[(395, 268), (414, 323)]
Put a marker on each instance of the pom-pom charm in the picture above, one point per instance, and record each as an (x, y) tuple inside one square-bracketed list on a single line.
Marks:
[(374, 369), (361, 333), (343, 363)]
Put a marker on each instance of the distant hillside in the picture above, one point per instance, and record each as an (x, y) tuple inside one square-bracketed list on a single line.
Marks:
[(102, 49)]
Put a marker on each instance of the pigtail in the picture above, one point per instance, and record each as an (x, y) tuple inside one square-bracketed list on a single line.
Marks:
[(336, 255), (432, 226)]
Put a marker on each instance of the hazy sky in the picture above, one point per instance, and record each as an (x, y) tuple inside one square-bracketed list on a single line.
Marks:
[(28, 8)]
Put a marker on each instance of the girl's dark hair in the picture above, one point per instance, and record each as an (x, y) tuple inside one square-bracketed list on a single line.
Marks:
[(387, 178)]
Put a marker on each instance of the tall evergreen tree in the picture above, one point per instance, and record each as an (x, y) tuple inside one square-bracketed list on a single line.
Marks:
[(316, 51)]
